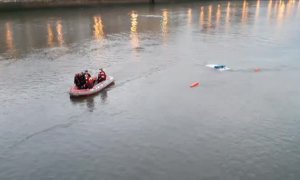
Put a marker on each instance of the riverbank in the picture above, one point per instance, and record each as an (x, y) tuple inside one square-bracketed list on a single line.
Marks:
[(32, 4)]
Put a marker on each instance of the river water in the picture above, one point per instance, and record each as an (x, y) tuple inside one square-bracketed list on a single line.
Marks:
[(238, 124)]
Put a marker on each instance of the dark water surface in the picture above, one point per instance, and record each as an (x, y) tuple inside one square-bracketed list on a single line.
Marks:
[(237, 124)]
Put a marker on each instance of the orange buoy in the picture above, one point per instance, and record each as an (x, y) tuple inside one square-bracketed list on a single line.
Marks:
[(257, 69), (195, 84)]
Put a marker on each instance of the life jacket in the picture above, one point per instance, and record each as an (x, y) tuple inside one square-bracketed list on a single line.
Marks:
[(87, 75), (90, 83)]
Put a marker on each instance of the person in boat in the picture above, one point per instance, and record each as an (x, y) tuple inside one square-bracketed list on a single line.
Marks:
[(87, 74), (89, 80), (79, 80), (90, 83), (101, 76)]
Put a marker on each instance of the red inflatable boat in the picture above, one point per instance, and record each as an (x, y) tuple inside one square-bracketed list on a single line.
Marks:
[(75, 92)]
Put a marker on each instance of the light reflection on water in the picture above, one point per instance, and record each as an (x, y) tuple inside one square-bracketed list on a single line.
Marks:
[(218, 14), (190, 16), (228, 14), (9, 36), (276, 7), (134, 31), (201, 19), (98, 28), (60, 34), (280, 14), (270, 9), (50, 35), (210, 15), (257, 9), (245, 12), (165, 24)]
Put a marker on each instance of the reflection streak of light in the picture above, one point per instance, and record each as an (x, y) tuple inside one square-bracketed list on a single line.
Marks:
[(257, 9), (190, 16), (164, 23), (281, 10), (50, 35), (275, 8), (209, 14), (227, 20), (134, 34), (98, 28), (245, 11), (59, 30), (228, 12), (9, 36), (218, 15), (289, 6), (270, 8), (201, 19)]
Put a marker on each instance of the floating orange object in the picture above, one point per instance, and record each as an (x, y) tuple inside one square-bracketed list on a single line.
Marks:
[(257, 69), (195, 84)]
